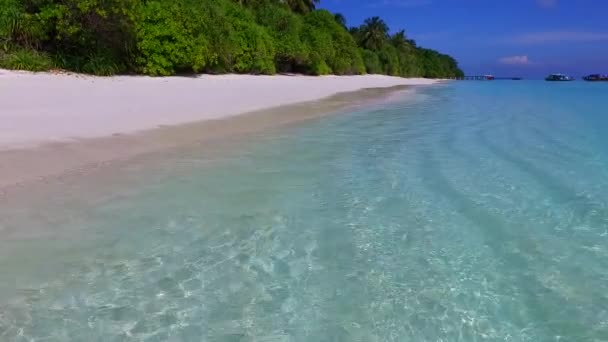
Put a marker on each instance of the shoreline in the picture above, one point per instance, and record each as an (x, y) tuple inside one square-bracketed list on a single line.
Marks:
[(23, 166), (38, 108)]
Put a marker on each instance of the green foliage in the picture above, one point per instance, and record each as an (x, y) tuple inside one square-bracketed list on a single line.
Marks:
[(407, 52), (389, 58), (371, 61), (302, 6), (171, 37), (94, 32), (437, 65), (285, 27), (373, 34), (340, 19), (99, 64), (409, 64), (347, 59), (205, 35), (248, 47), (319, 67), (166, 37), (17, 27), (399, 56), (25, 59), (332, 49), (254, 49)]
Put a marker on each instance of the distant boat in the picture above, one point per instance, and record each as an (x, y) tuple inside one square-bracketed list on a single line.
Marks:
[(559, 78), (489, 77), (596, 78)]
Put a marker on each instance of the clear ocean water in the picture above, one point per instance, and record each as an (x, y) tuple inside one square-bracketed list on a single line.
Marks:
[(472, 211)]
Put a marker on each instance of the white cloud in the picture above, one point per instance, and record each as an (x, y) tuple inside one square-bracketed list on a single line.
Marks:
[(558, 37), (515, 60), (547, 3)]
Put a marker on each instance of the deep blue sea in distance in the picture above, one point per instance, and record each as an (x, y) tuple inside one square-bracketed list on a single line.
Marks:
[(467, 211)]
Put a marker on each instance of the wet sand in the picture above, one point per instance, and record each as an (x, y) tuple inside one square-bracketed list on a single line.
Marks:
[(26, 165)]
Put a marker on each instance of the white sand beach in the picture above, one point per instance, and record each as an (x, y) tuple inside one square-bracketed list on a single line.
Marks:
[(54, 123), (43, 107)]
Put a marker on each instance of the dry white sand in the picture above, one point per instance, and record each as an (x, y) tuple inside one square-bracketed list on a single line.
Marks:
[(43, 107)]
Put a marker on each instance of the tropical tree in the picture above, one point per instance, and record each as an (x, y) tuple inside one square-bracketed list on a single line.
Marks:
[(332, 49), (400, 41), (165, 37), (408, 62), (285, 26), (340, 19), (373, 33), (302, 6)]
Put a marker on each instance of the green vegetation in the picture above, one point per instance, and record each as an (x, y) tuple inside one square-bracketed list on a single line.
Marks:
[(167, 37), (23, 59), (399, 56)]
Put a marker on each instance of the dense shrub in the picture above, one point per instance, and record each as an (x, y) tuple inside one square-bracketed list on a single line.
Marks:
[(371, 61), (347, 60), (332, 49), (436, 65), (409, 66), (285, 27), (389, 58), (171, 37), (26, 59), (165, 37), (79, 34), (96, 64), (249, 47), (18, 28)]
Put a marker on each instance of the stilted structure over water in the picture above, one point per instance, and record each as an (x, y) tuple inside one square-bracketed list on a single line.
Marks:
[(486, 78)]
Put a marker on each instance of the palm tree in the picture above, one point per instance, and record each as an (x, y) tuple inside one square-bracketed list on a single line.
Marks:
[(374, 33), (340, 19), (302, 6), (399, 40)]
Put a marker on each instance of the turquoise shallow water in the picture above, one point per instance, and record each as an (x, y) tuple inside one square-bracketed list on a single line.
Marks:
[(471, 211)]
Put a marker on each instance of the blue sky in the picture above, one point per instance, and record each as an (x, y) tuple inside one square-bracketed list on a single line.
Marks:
[(529, 38)]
